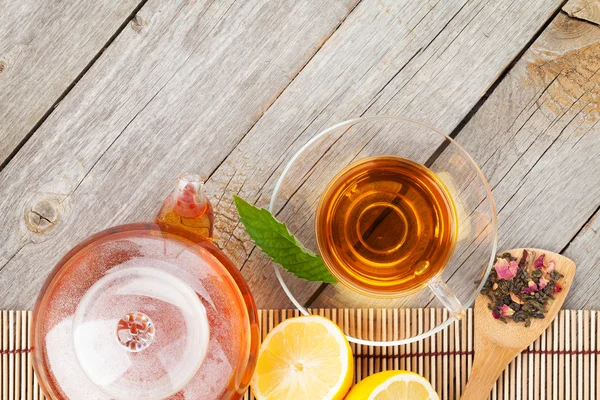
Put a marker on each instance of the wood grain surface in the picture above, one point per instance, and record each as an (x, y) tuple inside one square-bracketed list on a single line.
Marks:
[(44, 46), (174, 92), (536, 140), (587, 10), (230, 89)]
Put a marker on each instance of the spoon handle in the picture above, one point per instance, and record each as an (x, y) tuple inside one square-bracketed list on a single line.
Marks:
[(490, 360)]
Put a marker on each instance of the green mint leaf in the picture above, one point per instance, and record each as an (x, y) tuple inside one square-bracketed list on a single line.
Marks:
[(276, 241)]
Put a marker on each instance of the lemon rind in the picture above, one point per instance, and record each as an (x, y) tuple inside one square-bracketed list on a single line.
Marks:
[(406, 377)]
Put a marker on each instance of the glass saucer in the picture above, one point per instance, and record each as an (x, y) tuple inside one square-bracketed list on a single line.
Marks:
[(309, 171)]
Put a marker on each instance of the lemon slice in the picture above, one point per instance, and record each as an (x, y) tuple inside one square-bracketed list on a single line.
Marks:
[(393, 385), (304, 358)]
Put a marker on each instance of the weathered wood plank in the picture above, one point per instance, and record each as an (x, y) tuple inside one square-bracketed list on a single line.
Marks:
[(44, 46), (585, 249), (536, 139), (588, 10), (174, 92), (434, 68)]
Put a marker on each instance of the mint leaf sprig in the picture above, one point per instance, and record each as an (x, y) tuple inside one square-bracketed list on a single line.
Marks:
[(276, 241)]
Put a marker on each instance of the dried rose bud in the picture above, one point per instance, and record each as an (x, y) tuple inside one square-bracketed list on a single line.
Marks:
[(495, 315), (506, 311), (531, 287), (557, 289), (506, 270), (539, 262), (550, 266), (543, 282)]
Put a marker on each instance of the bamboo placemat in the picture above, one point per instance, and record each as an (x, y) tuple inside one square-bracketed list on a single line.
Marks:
[(562, 364)]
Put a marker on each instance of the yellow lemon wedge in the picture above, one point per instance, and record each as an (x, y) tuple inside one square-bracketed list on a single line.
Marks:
[(304, 358), (393, 385)]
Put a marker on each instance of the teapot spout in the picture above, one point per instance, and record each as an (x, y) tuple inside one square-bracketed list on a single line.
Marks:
[(188, 207)]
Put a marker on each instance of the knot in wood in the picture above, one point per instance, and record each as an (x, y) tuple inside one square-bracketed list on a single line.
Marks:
[(42, 217), (137, 23), (2, 66)]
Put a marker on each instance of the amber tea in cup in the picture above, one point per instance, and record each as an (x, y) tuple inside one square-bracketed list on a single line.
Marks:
[(386, 226)]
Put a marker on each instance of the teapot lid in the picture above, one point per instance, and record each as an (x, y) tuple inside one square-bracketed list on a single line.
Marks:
[(119, 355), (144, 311)]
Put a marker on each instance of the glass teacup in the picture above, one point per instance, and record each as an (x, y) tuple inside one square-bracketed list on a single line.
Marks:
[(309, 190)]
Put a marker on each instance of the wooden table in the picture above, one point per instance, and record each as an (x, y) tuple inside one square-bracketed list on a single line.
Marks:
[(104, 103)]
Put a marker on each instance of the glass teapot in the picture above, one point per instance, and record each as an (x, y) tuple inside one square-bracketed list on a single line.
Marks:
[(147, 311)]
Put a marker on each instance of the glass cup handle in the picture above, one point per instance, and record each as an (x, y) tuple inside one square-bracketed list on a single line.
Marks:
[(448, 299)]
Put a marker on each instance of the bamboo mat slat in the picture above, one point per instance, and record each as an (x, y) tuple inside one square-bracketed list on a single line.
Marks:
[(562, 364)]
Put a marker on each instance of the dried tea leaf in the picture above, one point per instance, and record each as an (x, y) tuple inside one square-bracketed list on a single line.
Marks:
[(521, 289)]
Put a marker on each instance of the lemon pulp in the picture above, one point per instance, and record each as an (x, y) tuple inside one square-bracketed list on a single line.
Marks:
[(304, 358)]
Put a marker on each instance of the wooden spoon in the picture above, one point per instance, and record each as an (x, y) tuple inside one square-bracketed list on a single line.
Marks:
[(497, 343)]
